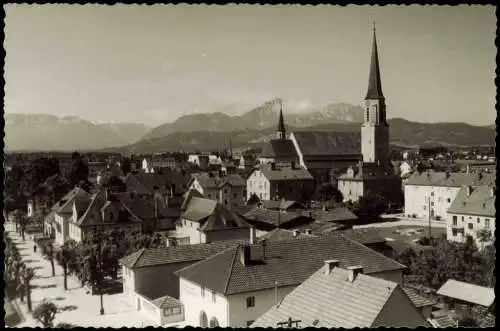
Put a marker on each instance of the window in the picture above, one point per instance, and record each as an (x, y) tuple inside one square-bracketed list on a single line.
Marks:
[(448, 200), (432, 203), (225, 191), (235, 195), (225, 201), (487, 222), (462, 218), (453, 232), (432, 194), (478, 220), (202, 292), (213, 296), (454, 220), (250, 302), (471, 226), (249, 323)]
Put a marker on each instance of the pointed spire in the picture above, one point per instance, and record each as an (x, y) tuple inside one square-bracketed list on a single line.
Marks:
[(281, 123), (374, 83)]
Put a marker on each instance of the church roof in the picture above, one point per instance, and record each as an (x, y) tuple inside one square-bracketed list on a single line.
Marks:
[(328, 143), (374, 82), (279, 148), (281, 121)]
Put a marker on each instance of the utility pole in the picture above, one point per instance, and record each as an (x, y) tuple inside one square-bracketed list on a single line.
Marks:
[(100, 275)]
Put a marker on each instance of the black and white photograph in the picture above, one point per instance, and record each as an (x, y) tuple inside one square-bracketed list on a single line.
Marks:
[(249, 166)]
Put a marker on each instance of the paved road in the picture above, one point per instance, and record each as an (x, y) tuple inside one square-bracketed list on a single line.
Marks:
[(77, 307), (403, 221)]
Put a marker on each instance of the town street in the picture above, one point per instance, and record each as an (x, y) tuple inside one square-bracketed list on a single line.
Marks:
[(75, 305)]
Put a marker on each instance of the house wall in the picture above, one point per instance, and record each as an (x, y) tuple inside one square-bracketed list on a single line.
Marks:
[(74, 232), (296, 190), (190, 229), (399, 311), (240, 314), (350, 189), (259, 185), (458, 227), (195, 185), (62, 228), (194, 304), (230, 196), (441, 199), (154, 281)]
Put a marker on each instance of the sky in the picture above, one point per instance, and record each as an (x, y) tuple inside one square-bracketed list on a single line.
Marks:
[(152, 64)]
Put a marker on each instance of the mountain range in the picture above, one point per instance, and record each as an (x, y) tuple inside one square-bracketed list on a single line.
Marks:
[(210, 131), (38, 132)]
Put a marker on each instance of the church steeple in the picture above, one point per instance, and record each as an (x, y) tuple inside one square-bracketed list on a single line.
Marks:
[(281, 133), (374, 82)]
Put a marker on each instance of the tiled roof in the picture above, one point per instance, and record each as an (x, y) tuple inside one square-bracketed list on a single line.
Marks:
[(144, 207), (283, 234), (479, 295), (280, 204), (332, 301), (166, 302), (328, 143), (285, 173), (273, 217), (175, 254), (65, 205), (332, 215), (223, 218), (277, 148), (146, 183), (288, 262), (417, 299), (452, 179), (206, 181), (367, 170), (197, 209), (188, 196), (445, 321), (480, 202)]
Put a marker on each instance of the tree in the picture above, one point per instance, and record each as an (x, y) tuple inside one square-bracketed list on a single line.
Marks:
[(63, 325), (370, 206), (64, 257), (28, 275), (327, 192), (125, 166), (48, 251), (45, 314), (79, 171), (483, 236)]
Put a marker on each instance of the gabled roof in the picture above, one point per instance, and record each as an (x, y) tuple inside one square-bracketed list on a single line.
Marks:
[(480, 202), (339, 215), (285, 173), (272, 217), (198, 209), (277, 148), (314, 143), (166, 302), (332, 301), (206, 181), (146, 183), (175, 254), (144, 207), (364, 236), (367, 170), (284, 234), (223, 218), (417, 299), (288, 262), (479, 295), (452, 179), (65, 204)]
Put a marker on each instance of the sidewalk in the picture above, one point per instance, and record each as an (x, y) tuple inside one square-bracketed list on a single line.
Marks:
[(76, 306)]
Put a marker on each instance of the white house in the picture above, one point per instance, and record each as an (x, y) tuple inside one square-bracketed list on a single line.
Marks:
[(64, 214), (236, 286), (437, 190), (229, 190), (472, 211)]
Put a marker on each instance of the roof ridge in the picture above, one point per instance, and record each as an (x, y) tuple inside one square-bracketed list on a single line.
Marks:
[(235, 253), (142, 250)]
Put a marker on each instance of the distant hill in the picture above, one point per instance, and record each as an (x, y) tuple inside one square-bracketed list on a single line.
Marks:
[(34, 132), (403, 133), (259, 118)]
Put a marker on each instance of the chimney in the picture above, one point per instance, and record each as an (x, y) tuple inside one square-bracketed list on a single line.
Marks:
[(253, 237), (245, 255), (353, 272), (273, 166), (295, 233), (264, 245), (492, 192), (330, 264), (469, 190)]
